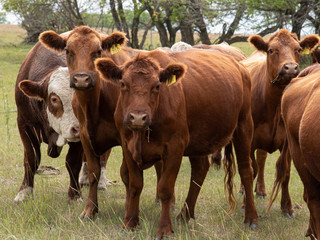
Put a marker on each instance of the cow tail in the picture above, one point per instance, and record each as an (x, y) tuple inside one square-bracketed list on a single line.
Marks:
[(229, 167), (282, 166)]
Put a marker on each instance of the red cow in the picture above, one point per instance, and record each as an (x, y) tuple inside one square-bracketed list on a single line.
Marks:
[(270, 74), (194, 117), (94, 101), (300, 111)]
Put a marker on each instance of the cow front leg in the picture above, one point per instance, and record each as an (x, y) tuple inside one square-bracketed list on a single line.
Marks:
[(131, 218), (199, 170), (31, 161), (73, 165), (166, 192)]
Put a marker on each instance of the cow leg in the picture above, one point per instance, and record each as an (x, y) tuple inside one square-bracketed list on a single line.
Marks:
[(31, 162), (255, 170), (260, 185), (242, 143), (286, 204), (171, 167), (94, 170), (131, 218), (73, 165), (199, 169), (103, 181), (124, 173), (158, 167)]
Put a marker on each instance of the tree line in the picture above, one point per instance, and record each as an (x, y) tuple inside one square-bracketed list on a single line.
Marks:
[(193, 19)]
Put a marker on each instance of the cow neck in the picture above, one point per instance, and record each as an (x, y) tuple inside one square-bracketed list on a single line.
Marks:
[(272, 92), (135, 146)]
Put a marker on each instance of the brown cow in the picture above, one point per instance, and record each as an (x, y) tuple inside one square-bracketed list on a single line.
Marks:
[(94, 101), (224, 48), (300, 111), (270, 74), (315, 54), (44, 77), (194, 117), (46, 117)]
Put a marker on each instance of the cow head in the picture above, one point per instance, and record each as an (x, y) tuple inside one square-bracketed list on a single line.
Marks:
[(140, 80), (57, 95), (283, 54), (82, 46)]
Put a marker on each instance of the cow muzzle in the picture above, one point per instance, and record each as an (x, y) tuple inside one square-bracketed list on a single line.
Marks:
[(286, 73), (138, 120), (82, 81)]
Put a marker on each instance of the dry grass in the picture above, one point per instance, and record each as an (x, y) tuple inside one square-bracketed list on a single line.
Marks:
[(49, 216)]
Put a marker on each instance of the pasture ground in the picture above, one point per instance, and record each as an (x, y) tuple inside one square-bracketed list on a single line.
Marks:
[(49, 216)]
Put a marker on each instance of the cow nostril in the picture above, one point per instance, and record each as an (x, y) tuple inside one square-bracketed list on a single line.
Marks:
[(286, 67), (144, 118), (131, 117)]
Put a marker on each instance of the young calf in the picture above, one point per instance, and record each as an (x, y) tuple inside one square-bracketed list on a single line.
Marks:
[(165, 111)]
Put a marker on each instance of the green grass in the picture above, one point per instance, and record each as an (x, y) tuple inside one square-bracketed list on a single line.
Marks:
[(49, 216)]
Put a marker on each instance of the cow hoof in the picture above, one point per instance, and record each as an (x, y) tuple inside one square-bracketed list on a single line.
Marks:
[(289, 215), (261, 196), (251, 225), (24, 194), (159, 238), (104, 183)]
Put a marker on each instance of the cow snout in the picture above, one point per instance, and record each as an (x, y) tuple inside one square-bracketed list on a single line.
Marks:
[(81, 81), (75, 132), (138, 120), (290, 69)]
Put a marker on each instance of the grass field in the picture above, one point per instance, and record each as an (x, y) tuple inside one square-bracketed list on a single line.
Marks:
[(49, 216)]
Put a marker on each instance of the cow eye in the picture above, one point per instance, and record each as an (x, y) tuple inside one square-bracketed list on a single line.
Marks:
[(67, 51), (99, 52), (54, 100), (122, 85), (270, 51), (299, 50), (158, 87)]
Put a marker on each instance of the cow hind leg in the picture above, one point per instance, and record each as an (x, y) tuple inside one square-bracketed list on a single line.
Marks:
[(32, 156), (260, 185), (199, 170), (242, 142)]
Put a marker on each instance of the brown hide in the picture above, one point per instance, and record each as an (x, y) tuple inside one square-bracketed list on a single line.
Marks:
[(300, 111), (270, 74), (315, 54), (211, 103), (32, 119), (235, 52)]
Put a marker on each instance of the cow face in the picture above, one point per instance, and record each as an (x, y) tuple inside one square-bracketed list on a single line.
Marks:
[(141, 81), (82, 46), (283, 54), (57, 95)]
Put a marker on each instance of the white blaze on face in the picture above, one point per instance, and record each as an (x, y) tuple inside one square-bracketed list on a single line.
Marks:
[(60, 113)]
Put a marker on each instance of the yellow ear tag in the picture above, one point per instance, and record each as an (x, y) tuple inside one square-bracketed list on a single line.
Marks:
[(173, 80), (305, 51), (115, 48)]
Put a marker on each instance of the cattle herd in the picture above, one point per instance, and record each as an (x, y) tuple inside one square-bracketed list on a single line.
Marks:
[(92, 92)]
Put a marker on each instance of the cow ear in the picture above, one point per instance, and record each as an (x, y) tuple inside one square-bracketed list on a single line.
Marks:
[(32, 89), (172, 73), (258, 42), (116, 39), (108, 69), (310, 42), (53, 41)]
